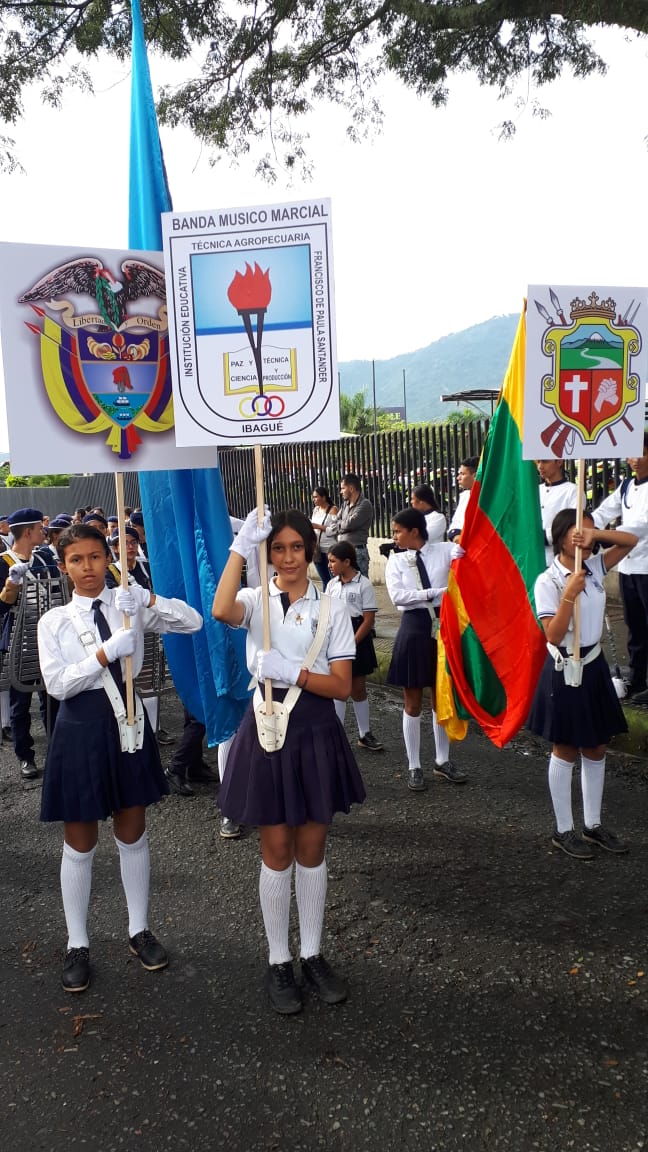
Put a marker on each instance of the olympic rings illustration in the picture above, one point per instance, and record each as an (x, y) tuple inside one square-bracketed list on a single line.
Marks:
[(265, 405)]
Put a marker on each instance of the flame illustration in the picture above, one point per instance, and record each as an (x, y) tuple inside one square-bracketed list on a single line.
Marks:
[(251, 291)]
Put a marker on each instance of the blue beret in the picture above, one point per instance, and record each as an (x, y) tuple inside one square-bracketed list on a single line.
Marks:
[(64, 516), (59, 522), (113, 520), (24, 517), (137, 518), (95, 518), (114, 538)]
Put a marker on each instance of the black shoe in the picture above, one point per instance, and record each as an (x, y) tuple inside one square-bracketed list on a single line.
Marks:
[(280, 985), (415, 781), (164, 737), (203, 773), (75, 976), (7, 733), (229, 830), (318, 973), (369, 742), (28, 770), (450, 772), (605, 839), (178, 785), (571, 843), (148, 950)]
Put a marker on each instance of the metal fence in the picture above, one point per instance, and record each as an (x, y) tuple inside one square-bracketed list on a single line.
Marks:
[(389, 465)]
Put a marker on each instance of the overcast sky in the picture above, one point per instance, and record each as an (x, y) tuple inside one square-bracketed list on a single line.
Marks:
[(437, 224)]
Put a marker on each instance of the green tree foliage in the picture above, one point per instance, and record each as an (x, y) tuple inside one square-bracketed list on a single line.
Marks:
[(355, 416), (251, 71), (56, 480), (16, 481)]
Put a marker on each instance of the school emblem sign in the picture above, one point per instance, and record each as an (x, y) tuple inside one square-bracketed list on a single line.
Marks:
[(85, 357), (588, 401)]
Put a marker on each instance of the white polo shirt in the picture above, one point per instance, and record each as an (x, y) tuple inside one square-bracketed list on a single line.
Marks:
[(550, 586), (553, 498), (292, 634), (358, 594), (632, 510)]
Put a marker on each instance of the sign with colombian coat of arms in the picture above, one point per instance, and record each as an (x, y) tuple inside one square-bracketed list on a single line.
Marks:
[(86, 360), (585, 372)]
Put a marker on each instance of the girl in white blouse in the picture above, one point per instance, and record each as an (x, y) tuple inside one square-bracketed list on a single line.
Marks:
[(416, 578), (87, 775)]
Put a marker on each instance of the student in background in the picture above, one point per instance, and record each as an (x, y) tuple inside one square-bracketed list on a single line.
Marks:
[(357, 593)]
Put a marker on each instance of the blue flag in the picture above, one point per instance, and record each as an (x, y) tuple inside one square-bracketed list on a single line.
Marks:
[(189, 529)]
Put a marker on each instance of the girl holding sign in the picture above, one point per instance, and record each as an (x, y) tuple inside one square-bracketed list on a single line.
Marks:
[(88, 775), (291, 794), (575, 705)]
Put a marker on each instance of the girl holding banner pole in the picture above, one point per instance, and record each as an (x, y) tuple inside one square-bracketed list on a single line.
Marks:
[(575, 705), (291, 793)]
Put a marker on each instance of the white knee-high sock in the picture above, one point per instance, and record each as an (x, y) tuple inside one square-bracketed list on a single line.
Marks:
[(592, 781), (5, 706), (340, 710), (274, 894), (412, 738), (76, 882), (223, 753), (361, 709), (135, 867), (441, 741), (310, 891), (560, 788)]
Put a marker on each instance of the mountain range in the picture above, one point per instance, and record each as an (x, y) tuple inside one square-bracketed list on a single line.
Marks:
[(463, 361)]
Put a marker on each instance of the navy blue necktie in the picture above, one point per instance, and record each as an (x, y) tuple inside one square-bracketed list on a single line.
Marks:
[(103, 628), (425, 579)]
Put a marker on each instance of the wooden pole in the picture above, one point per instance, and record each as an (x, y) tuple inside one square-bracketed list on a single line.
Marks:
[(263, 569), (578, 552), (123, 563)]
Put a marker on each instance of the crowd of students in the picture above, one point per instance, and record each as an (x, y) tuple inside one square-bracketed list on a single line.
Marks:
[(289, 778)]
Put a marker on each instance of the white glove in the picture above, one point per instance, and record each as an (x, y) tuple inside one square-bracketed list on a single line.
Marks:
[(457, 552), (121, 643), (273, 666), (130, 600), (252, 533), (17, 571), (434, 593)]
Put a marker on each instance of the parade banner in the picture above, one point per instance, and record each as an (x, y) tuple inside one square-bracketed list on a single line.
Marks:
[(85, 345), (585, 372), (251, 323)]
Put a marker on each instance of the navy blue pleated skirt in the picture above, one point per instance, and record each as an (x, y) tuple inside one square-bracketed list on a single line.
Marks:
[(87, 776), (365, 658), (413, 662), (583, 717), (313, 776)]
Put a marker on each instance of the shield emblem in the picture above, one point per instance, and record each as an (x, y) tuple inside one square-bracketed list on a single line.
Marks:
[(120, 382), (591, 385), (121, 389)]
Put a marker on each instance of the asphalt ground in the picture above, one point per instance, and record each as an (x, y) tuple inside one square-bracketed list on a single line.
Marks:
[(497, 990)]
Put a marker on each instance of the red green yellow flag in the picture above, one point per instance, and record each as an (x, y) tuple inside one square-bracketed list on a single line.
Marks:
[(494, 645)]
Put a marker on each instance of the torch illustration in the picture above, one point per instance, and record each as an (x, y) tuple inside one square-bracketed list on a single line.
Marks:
[(250, 295)]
